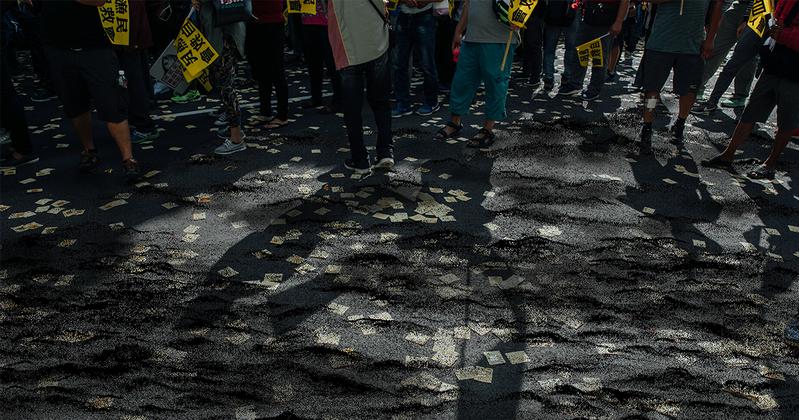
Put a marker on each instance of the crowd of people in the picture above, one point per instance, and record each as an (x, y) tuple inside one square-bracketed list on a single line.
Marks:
[(361, 47)]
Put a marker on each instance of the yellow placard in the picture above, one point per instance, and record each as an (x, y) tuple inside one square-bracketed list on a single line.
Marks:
[(758, 16), (590, 53), (520, 11), (195, 53), (306, 7), (115, 18), (205, 80)]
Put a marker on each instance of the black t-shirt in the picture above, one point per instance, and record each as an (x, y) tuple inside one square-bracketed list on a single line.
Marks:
[(69, 24)]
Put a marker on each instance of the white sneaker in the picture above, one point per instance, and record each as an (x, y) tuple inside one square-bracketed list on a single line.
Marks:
[(228, 147), (385, 163)]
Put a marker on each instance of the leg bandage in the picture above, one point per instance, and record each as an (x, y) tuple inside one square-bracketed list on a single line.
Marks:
[(650, 104)]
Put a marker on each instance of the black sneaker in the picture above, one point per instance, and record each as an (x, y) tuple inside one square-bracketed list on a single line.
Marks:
[(678, 132), (130, 169), (612, 77), (549, 85), (42, 95), (360, 168), (88, 160), (589, 96), (705, 108)]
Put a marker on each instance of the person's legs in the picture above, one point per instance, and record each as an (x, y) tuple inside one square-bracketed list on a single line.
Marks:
[(378, 79), (259, 46), (445, 30), (330, 65), (424, 33), (726, 38), (313, 56), (404, 33), (570, 59), (599, 74), (138, 93), (496, 82), (533, 49), (83, 128), (225, 74), (352, 82), (745, 78), (12, 115), (551, 37), (466, 82), (745, 52), (278, 71), (572, 63)]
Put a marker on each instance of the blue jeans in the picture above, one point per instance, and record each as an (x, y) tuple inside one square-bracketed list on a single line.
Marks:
[(585, 33), (416, 31), (552, 34)]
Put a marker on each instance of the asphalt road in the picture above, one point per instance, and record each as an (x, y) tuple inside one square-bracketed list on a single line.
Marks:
[(559, 274)]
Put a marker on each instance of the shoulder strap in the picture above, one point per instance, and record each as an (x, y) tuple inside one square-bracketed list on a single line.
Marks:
[(381, 14)]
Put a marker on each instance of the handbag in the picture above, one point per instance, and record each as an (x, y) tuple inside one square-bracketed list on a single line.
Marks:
[(232, 11)]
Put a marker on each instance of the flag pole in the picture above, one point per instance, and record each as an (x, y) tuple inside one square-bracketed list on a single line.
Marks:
[(507, 50), (682, 6)]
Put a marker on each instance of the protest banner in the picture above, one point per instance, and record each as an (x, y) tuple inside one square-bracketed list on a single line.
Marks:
[(115, 18)]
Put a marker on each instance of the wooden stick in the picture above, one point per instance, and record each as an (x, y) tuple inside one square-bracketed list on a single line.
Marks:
[(507, 50), (682, 6)]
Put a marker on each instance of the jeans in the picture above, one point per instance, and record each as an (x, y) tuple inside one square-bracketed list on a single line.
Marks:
[(552, 35), (417, 31), (533, 48), (585, 33), (741, 67), (12, 113), (445, 65), (319, 55), (376, 76), (264, 47), (725, 38)]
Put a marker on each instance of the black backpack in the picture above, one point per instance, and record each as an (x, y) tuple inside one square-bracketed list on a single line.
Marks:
[(559, 12), (600, 13)]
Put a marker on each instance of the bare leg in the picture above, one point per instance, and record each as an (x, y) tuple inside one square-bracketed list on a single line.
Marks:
[(489, 125), (686, 102), (742, 132), (615, 55), (121, 134), (235, 135), (780, 142), (83, 127)]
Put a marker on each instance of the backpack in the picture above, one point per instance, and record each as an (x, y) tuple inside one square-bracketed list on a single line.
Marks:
[(600, 13), (559, 12)]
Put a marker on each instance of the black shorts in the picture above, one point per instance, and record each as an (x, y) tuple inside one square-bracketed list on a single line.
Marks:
[(657, 66), (83, 76)]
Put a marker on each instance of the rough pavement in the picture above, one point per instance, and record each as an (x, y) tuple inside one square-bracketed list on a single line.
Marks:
[(557, 275)]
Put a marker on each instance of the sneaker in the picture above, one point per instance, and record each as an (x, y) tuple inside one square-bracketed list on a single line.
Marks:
[(426, 110), (386, 164), (401, 111), (549, 85), (736, 102), (221, 120), (5, 138), (705, 108), (130, 169), (612, 77), (42, 95), (88, 160), (792, 333), (190, 96), (678, 131), (24, 160), (138, 137), (228, 147), (569, 91), (589, 96), (360, 168)]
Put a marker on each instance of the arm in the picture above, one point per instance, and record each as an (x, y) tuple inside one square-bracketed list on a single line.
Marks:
[(461, 28), (615, 29), (715, 21)]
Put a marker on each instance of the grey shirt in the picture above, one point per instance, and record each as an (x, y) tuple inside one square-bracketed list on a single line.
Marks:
[(679, 34), (484, 26)]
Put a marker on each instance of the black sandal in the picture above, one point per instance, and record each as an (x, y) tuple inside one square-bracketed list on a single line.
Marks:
[(482, 140), (717, 163), (443, 135)]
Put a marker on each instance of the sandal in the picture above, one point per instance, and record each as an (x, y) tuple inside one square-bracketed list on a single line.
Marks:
[(718, 163), (276, 123), (482, 140), (442, 134)]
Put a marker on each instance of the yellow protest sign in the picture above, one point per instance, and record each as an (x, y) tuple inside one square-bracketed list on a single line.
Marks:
[(591, 53), (195, 53), (115, 18), (307, 7), (758, 16), (205, 80), (392, 4), (520, 11)]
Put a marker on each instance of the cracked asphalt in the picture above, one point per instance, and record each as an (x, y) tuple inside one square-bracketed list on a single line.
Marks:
[(559, 274)]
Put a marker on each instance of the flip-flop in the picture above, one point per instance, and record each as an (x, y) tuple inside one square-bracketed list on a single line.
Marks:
[(443, 135), (482, 140), (275, 123)]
